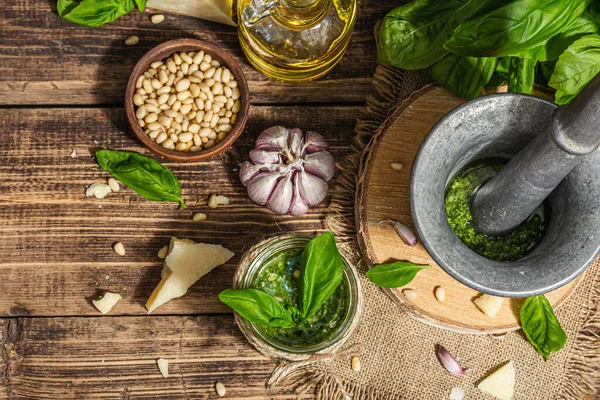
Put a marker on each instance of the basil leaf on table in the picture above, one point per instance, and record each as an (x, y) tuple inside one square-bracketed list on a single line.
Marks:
[(394, 275), (521, 75), (94, 13), (463, 76), (411, 36), (146, 176), (257, 307), (541, 326), (575, 68), (510, 27), (321, 273)]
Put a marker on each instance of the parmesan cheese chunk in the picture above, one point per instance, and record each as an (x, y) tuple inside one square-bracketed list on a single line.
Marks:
[(186, 263), (489, 305), (163, 366), (107, 302), (500, 384), (212, 10)]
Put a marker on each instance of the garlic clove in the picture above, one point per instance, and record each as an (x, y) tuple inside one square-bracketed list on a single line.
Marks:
[(321, 164), (312, 189), (314, 142), (274, 138), (280, 200), (299, 206), (296, 142), (265, 156), (261, 187)]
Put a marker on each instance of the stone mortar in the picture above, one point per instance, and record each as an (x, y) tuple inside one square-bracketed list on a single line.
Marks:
[(500, 126)]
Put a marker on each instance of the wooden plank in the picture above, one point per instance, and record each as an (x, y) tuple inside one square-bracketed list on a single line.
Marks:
[(47, 60), (115, 358), (56, 242)]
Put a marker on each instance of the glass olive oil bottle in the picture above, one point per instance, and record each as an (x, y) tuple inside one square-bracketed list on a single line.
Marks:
[(295, 40)]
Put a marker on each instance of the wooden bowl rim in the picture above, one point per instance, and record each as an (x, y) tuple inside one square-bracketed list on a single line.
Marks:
[(163, 51)]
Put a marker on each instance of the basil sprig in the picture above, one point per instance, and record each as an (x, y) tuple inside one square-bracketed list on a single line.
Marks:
[(458, 41), (321, 273), (257, 307), (394, 275), (146, 176), (94, 13), (541, 326)]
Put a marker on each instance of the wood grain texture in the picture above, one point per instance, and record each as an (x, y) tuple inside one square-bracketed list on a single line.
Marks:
[(56, 242), (47, 60), (115, 358), (384, 194)]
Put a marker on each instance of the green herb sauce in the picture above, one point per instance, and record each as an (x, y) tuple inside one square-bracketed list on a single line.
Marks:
[(458, 213), (276, 278)]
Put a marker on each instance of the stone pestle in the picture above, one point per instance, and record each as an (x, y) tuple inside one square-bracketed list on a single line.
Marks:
[(510, 197)]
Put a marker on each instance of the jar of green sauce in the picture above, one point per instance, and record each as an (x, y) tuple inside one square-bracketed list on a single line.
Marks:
[(274, 267)]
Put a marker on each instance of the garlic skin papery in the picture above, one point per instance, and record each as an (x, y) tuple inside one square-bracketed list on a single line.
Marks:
[(289, 170)]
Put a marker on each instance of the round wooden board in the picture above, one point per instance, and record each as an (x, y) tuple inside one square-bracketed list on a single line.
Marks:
[(383, 193)]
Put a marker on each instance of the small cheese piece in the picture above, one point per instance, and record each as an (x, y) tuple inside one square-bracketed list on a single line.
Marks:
[(500, 384), (489, 305), (98, 190), (107, 302), (212, 10), (163, 366), (186, 263), (457, 393)]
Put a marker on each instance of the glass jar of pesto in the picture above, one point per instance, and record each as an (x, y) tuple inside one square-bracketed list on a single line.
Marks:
[(274, 268)]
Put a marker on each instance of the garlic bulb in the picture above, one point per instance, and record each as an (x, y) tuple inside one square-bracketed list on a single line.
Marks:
[(289, 170)]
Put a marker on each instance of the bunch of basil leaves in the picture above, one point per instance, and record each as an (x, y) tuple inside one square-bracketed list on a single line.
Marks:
[(321, 273), (95, 13), (466, 45), (537, 317)]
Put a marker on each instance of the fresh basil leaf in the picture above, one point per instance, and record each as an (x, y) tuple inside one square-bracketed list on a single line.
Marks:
[(521, 75), (575, 68), (543, 73), (394, 275), (500, 75), (146, 176), (321, 273), (93, 13), (511, 27), (65, 6), (257, 307), (411, 36), (141, 4), (541, 326), (463, 76)]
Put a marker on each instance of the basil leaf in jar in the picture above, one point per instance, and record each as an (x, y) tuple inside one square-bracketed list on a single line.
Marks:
[(394, 275), (257, 307), (94, 13), (321, 273), (541, 326), (146, 176)]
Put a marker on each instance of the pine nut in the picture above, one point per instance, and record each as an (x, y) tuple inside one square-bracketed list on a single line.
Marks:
[(154, 125), (177, 59), (132, 40), (198, 57), (181, 146), (119, 248), (199, 217), (141, 112), (355, 364), (161, 138), (182, 85), (157, 19), (209, 144), (186, 58), (217, 75), (138, 84), (396, 166), (207, 58), (226, 75), (410, 294), (167, 143), (186, 137), (162, 253), (440, 294), (150, 118), (164, 90), (220, 388)]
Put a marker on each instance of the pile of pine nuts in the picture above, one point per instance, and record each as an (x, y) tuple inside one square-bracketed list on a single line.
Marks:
[(187, 103)]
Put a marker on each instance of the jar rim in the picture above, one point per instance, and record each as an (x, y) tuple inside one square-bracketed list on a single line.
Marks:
[(350, 278)]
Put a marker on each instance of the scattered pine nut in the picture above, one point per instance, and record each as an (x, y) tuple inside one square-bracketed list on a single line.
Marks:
[(162, 253), (132, 40), (73, 154), (113, 184), (157, 18), (98, 190), (217, 200), (396, 166), (199, 217), (119, 248), (440, 294), (409, 293), (163, 366), (356, 363), (220, 388)]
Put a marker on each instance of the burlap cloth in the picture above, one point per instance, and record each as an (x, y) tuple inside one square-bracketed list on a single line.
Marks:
[(398, 352)]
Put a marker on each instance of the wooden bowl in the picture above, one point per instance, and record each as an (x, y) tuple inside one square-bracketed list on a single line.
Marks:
[(163, 51)]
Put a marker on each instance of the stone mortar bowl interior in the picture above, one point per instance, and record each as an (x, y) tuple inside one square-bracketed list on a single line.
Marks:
[(499, 126)]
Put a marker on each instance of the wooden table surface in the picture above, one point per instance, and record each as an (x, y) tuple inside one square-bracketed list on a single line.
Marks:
[(61, 89)]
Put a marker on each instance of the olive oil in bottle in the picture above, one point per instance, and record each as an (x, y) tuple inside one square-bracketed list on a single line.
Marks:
[(295, 40)]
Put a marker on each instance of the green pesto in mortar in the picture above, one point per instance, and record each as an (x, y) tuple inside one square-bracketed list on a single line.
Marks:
[(458, 213), (276, 278)]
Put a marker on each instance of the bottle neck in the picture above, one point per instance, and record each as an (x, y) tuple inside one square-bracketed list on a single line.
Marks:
[(301, 12)]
